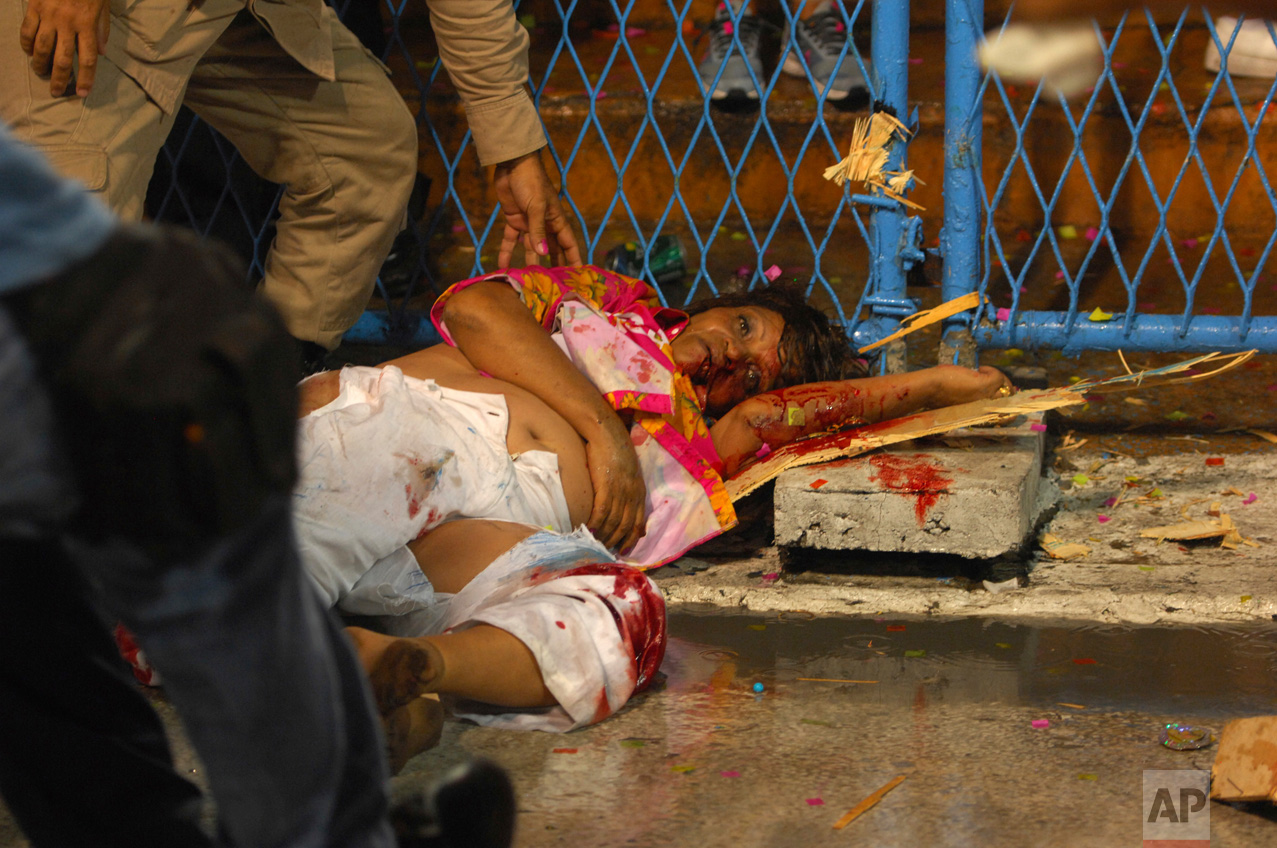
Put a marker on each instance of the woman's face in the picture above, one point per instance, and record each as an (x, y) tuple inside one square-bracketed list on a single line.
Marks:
[(730, 353)]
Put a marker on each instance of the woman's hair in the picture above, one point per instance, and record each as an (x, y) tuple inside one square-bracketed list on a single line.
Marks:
[(812, 348)]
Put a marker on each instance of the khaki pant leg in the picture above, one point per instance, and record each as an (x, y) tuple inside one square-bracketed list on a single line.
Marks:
[(345, 151), (110, 139)]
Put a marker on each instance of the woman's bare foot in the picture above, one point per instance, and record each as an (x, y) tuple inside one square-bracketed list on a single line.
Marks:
[(411, 729), (399, 669)]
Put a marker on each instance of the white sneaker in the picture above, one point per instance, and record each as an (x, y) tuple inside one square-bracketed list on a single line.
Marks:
[(1253, 54)]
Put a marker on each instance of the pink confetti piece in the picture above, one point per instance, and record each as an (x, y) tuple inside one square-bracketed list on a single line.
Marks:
[(915, 60), (1251, 498), (1040, 723), (772, 273), (1211, 310), (1004, 314), (1038, 428), (1272, 387), (634, 32), (1092, 233), (763, 451), (728, 29), (815, 802), (600, 95), (1024, 289), (1190, 243), (771, 577), (1110, 501), (816, 484), (1103, 519), (458, 228), (1147, 306), (729, 774), (1059, 275)]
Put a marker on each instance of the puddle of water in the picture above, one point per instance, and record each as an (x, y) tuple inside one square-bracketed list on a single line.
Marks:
[(1206, 671)]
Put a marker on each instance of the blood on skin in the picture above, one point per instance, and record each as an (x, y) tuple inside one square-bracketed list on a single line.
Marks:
[(912, 475), (824, 406)]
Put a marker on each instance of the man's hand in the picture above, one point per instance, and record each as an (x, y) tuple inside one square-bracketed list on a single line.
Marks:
[(533, 215), (55, 31), (618, 518)]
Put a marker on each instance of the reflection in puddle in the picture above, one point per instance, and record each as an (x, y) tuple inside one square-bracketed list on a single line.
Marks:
[(1204, 670)]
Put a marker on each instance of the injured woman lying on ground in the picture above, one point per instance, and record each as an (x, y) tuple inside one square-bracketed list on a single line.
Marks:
[(489, 503)]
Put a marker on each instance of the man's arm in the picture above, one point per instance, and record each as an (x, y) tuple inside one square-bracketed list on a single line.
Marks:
[(491, 326), (780, 417), (54, 32), (485, 51)]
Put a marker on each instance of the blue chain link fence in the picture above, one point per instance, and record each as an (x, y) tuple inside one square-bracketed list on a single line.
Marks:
[(642, 150), (1060, 212), (1148, 213)]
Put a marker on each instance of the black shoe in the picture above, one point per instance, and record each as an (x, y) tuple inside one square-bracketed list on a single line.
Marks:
[(472, 806)]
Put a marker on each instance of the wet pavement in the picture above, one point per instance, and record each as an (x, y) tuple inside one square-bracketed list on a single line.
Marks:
[(951, 705)]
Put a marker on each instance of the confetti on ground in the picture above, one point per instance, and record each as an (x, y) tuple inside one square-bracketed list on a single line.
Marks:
[(1088, 777), (1068, 231), (1038, 428), (869, 802), (1004, 314), (1099, 315), (772, 273), (1002, 644), (915, 653), (764, 450), (895, 628), (633, 743), (565, 750), (1246, 598), (1071, 706), (1103, 519), (1177, 415), (756, 626), (683, 769), (1190, 243), (1250, 499), (1059, 275), (1041, 723), (1092, 233), (1083, 661), (738, 236), (1080, 479), (815, 802), (729, 774), (1214, 461), (816, 484)]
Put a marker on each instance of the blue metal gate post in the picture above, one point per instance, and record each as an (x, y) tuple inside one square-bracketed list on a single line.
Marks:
[(888, 232), (963, 177)]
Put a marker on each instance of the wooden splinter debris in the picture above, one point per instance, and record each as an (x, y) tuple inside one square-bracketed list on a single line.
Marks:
[(1057, 548), (868, 803), (867, 157), (927, 317), (1189, 531)]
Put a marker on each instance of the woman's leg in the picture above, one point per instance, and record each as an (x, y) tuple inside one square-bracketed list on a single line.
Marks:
[(483, 663)]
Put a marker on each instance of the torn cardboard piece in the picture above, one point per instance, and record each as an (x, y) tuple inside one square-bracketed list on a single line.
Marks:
[(854, 442), (1245, 768)]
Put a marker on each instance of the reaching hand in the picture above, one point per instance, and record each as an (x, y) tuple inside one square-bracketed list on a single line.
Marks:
[(533, 215), (618, 518), (53, 32)]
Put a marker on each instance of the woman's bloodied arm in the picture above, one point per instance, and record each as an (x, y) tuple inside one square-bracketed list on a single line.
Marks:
[(779, 417)]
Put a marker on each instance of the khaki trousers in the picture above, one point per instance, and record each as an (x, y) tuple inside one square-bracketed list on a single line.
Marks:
[(345, 150)]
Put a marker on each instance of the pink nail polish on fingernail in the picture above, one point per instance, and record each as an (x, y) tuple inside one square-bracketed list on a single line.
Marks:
[(543, 248)]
